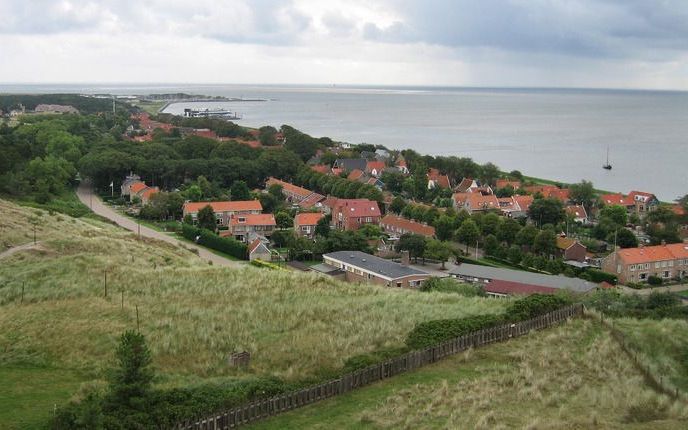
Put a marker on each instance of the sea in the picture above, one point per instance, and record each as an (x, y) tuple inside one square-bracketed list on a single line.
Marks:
[(558, 134)]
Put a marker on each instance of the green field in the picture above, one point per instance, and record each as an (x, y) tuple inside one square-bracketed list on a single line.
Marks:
[(574, 376), (298, 327)]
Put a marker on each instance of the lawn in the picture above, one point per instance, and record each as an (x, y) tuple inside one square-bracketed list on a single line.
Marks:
[(574, 376)]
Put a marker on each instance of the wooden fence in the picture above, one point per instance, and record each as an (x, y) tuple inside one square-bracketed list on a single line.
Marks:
[(265, 408)]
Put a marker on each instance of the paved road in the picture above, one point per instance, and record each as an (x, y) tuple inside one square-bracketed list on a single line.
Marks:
[(87, 197), (647, 291)]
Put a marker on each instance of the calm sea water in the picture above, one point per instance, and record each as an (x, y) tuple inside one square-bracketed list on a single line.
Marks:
[(560, 134)]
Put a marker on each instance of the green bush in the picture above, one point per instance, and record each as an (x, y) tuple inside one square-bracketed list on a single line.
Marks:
[(534, 305), (364, 360), (446, 285), (654, 280), (431, 333), (598, 276), (228, 245)]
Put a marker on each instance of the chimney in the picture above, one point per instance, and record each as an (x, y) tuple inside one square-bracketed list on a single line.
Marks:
[(405, 258)]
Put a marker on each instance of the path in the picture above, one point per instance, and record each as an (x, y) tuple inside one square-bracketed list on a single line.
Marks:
[(85, 194), (19, 248), (648, 291)]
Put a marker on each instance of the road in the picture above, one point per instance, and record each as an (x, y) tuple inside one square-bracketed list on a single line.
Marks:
[(87, 197)]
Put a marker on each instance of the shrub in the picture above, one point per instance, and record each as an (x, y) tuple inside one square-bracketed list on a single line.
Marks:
[(452, 286), (598, 276), (654, 280), (534, 305), (364, 360), (228, 245), (431, 333)]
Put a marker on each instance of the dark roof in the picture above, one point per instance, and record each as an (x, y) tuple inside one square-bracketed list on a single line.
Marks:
[(326, 269), (379, 266), (506, 287), (542, 280), (350, 164)]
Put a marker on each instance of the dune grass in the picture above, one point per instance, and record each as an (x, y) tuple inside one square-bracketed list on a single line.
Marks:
[(298, 327), (573, 376)]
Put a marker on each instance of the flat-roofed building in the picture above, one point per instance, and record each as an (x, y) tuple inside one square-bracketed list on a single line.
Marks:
[(358, 266)]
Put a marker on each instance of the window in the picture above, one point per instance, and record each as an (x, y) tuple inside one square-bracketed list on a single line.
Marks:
[(664, 263), (398, 284), (671, 263), (642, 276), (632, 267), (666, 273), (657, 265)]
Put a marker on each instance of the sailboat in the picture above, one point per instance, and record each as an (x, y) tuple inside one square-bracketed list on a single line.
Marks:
[(607, 166)]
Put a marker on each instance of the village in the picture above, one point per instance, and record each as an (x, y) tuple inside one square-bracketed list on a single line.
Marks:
[(508, 235)]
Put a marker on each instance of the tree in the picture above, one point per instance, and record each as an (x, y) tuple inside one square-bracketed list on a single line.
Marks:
[(205, 186), (371, 231), (266, 135), (283, 220), (437, 250), (489, 223), (545, 242), (507, 231), (413, 243), (50, 174), (526, 236), (614, 213), (397, 205), (547, 211), (491, 245), (624, 238), (444, 227), (582, 193), (489, 173), (468, 233), (206, 218), (240, 191), (130, 384), (322, 228), (514, 255), (283, 238), (194, 193), (507, 191)]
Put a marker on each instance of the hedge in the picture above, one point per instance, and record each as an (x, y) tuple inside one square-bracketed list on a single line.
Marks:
[(430, 333), (598, 276), (207, 238)]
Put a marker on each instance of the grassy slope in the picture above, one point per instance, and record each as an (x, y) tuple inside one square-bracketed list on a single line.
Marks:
[(296, 326), (573, 376)]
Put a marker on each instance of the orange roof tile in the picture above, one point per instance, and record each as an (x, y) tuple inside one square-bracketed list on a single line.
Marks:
[(137, 186), (376, 165), (407, 225), (225, 206), (576, 211), (647, 254), (501, 183), (149, 192), (308, 218), (355, 175), (253, 219), (294, 189)]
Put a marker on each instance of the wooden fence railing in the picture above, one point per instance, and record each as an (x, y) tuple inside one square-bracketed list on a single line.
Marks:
[(264, 408)]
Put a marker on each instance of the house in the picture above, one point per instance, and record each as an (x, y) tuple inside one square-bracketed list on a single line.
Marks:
[(258, 250), (570, 249), (436, 179), (312, 201), (402, 166), (321, 168), (349, 164), (356, 175), (523, 203), (613, 199), (350, 214), (476, 202), (503, 183), (376, 182), (637, 202), (397, 226), (241, 226), (375, 168), (146, 194), (224, 210), (292, 193), (358, 266), (305, 223), (466, 185), (129, 180), (578, 213), (486, 274), (135, 188), (637, 264)]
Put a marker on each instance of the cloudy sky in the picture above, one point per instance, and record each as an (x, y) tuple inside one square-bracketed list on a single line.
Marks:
[(577, 43)]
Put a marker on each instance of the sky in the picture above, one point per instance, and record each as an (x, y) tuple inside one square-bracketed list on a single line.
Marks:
[(493, 43)]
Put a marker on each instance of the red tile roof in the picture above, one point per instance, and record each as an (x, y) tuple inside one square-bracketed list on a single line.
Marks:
[(647, 254), (253, 219), (379, 166), (576, 211), (355, 175), (478, 201), (678, 209), (321, 168), (294, 189), (149, 191), (308, 218), (407, 225), (357, 207), (440, 180), (508, 287), (615, 199), (524, 202), (501, 183), (226, 206), (204, 132), (137, 186)]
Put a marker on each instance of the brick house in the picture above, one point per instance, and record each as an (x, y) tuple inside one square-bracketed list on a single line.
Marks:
[(241, 226), (397, 226), (358, 266), (637, 202), (570, 249), (292, 193), (350, 214), (578, 213), (305, 223), (637, 264), (224, 210)]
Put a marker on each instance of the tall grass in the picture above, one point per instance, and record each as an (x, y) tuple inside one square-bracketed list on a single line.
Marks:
[(574, 376), (296, 326)]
